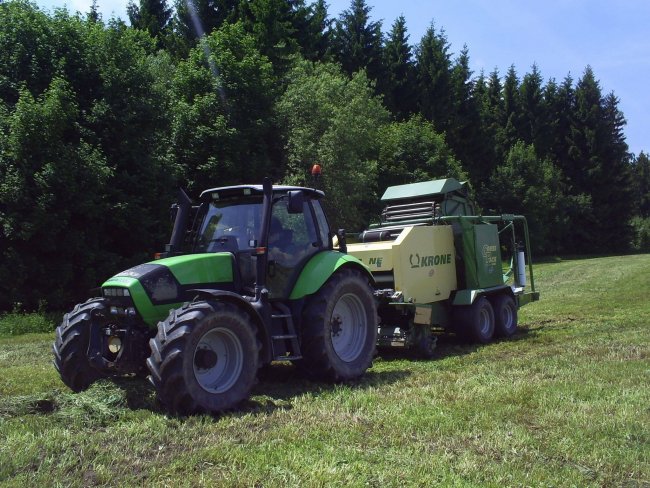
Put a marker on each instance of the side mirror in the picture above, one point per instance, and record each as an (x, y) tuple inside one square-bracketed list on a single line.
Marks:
[(296, 201), (343, 245)]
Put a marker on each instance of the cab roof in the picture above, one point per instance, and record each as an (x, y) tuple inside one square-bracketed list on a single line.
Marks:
[(248, 190)]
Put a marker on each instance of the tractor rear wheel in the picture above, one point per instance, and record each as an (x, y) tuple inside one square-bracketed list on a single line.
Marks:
[(204, 358), (475, 322), (339, 331), (505, 315), (71, 344)]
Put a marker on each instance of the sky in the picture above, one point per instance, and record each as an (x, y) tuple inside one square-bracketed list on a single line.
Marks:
[(561, 37)]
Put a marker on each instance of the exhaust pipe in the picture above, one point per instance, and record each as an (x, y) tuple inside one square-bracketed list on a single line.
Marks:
[(180, 224)]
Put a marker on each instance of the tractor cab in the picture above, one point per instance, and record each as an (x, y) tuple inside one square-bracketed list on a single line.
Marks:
[(232, 220)]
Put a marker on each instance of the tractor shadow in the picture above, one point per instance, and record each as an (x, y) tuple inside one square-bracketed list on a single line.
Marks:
[(280, 384)]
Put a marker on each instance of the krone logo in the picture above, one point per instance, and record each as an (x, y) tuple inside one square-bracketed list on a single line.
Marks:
[(418, 261)]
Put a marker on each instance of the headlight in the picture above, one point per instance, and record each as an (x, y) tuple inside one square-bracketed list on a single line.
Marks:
[(116, 292), (122, 312)]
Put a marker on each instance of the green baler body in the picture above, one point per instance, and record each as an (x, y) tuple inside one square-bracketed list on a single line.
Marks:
[(481, 255)]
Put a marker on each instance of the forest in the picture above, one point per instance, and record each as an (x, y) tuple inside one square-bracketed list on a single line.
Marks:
[(101, 121)]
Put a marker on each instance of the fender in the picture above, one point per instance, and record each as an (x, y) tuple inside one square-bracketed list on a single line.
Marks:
[(319, 269), (469, 296), (249, 307)]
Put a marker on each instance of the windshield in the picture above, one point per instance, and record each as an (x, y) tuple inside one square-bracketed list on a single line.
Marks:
[(229, 225)]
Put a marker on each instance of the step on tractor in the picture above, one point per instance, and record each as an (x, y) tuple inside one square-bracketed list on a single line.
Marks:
[(438, 267), (249, 276)]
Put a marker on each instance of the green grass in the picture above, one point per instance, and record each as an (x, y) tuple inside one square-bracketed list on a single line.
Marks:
[(17, 323), (566, 402)]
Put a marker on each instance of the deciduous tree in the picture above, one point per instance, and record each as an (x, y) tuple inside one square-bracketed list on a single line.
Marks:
[(334, 121)]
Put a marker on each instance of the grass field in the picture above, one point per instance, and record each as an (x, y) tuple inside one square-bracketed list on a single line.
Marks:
[(565, 402)]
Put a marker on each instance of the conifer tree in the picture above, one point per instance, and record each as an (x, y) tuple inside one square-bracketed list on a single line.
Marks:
[(398, 85), (509, 133), (312, 29), (585, 133), (641, 184), (93, 15), (612, 192), (531, 119), (490, 105), (484, 154), (598, 164), (271, 24), (463, 134), (559, 101), (357, 41), (150, 15), (434, 78), (195, 18)]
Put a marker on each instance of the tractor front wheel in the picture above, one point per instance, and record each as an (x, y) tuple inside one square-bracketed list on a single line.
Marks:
[(204, 358), (71, 344), (339, 328)]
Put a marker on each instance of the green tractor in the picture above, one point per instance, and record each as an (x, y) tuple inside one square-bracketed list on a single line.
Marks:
[(250, 276)]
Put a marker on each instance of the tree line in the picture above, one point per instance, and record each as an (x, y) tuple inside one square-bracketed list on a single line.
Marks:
[(101, 122)]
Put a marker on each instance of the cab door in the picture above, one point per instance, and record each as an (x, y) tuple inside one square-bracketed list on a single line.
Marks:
[(293, 239)]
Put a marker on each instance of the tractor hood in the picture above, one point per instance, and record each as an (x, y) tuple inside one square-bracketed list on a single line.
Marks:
[(158, 286)]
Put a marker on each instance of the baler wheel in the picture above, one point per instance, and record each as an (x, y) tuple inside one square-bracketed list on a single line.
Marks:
[(505, 315), (475, 322)]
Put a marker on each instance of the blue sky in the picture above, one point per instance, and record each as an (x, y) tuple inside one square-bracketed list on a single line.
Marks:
[(560, 36)]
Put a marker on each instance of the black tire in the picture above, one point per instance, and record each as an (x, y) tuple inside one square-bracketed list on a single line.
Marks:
[(505, 315), (71, 344), (475, 322), (186, 363), (339, 332), (424, 341)]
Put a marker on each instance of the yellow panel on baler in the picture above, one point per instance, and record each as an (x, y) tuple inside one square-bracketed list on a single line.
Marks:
[(378, 256), (422, 259), (425, 263)]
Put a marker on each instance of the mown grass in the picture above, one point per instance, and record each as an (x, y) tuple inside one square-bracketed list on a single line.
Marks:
[(566, 402)]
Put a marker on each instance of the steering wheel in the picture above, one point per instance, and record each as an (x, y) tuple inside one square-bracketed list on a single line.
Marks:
[(227, 242)]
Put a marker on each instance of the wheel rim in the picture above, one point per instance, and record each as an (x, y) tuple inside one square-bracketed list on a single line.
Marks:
[(484, 321), (218, 360), (348, 327)]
